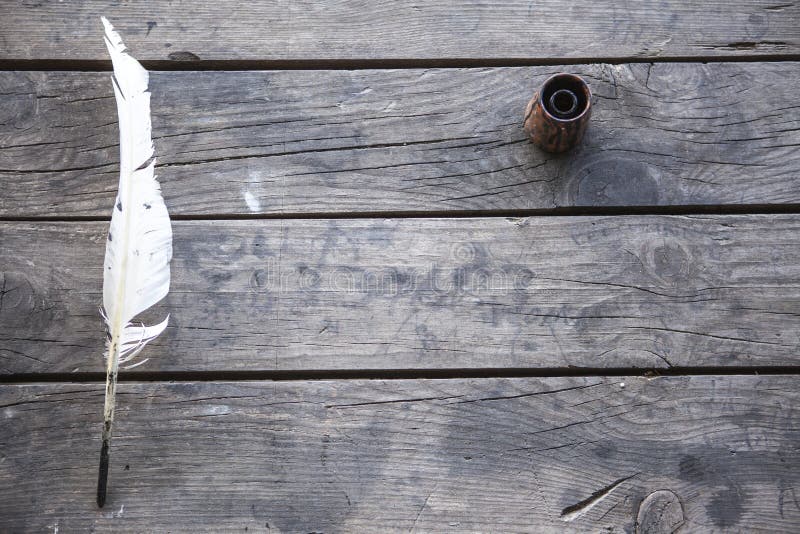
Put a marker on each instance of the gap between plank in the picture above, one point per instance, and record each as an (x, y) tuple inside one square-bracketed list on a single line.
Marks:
[(97, 65), (396, 374), (579, 211)]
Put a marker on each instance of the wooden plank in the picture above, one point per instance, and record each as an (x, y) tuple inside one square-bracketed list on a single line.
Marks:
[(551, 292), (406, 141), (354, 29), (489, 455)]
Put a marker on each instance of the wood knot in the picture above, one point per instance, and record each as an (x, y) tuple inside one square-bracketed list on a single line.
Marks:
[(19, 299), (660, 512), (671, 262), (20, 104), (612, 181)]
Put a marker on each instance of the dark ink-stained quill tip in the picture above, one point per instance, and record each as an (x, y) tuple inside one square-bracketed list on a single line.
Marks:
[(102, 476)]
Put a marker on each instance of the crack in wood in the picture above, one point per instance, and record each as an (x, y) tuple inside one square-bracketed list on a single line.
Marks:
[(576, 510)]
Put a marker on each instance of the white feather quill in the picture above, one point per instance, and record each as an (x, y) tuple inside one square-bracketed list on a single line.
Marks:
[(139, 246)]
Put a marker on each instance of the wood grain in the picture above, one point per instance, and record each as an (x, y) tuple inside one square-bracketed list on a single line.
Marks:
[(549, 292), (438, 140), (188, 30), (488, 455)]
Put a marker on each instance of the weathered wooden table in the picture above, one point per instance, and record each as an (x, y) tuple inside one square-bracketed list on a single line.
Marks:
[(390, 312)]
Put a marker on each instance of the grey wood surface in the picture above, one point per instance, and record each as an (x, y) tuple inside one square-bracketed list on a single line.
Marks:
[(356, 29), (436, 140), (489, 455), (546, 292), (715, 299)]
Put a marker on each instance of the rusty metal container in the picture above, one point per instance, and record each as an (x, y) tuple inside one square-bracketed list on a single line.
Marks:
[(557, 115)]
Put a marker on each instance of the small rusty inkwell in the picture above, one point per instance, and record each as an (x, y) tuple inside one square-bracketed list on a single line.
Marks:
[(557, 115)]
